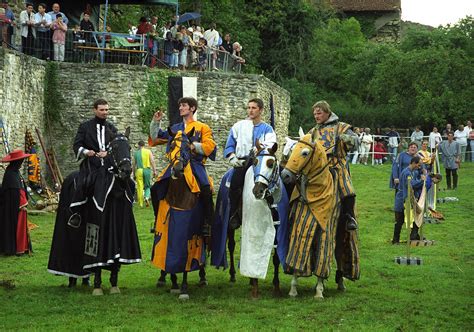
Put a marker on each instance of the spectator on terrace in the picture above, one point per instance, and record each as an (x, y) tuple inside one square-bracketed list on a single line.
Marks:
[(132, 30), (461, 136), (183, 55), (238, 60), (168, 48), (9, 24), (202, 54), (87, 27), (56, 11), (417, 136), (43, 24), (166, 29), (434, 139), (212, 37), (59, 28), (177, 48), (226, 45), (28, 29)]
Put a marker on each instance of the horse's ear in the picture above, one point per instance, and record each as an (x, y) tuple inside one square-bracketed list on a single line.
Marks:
[(301, 132), (170, 132), (191, 133), (127, 132), (273, 149)]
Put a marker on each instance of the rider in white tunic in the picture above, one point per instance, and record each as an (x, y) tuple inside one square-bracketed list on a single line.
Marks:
[(258, 232)]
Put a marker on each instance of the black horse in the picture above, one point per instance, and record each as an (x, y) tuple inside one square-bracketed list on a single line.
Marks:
[(172, 192), (107, 237)]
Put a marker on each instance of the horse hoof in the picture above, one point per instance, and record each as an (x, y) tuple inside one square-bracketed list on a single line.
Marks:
[(175, 291), (160, 283), (277, 293), (232, 279), (293, 293), (115, 290), (319, 297), (97, 292), (341, 287), (183, 297), (203, 283)]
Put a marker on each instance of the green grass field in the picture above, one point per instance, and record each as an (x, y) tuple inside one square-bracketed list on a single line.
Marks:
[(438, 295)]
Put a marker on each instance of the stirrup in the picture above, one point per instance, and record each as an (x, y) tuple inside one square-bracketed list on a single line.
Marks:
[(75, 220), (351, 223)]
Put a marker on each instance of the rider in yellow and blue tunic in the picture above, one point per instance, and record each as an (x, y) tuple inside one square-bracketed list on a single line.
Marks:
[(338, 139), (203, 147)]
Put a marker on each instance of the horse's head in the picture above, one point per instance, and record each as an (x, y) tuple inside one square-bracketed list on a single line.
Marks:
[(265, 170), (119, 150), (179, 151), (300, 157)]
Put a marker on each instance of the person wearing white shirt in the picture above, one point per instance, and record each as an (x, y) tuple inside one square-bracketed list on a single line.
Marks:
[(434, 139), (212, 37), (43, 23), (461, 136), (470, 140), (417, 136), (366, 141)]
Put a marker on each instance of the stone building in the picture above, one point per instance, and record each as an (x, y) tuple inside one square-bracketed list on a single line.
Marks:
[(380, 20)]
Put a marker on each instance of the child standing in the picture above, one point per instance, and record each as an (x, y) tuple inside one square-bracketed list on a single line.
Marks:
[(59, 37), (379, 151)]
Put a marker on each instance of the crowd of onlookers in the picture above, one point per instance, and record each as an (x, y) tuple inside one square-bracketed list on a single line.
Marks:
[(44, 34), (385, 146), (183, 47)]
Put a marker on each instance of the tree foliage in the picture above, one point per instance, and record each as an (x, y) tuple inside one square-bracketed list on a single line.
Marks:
[(426, 79)]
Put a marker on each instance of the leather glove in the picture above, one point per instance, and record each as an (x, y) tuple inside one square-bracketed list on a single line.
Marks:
[(235, 162)]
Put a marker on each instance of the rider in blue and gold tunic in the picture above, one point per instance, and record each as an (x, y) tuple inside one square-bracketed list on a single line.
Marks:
[(338, 139), (203, 147)]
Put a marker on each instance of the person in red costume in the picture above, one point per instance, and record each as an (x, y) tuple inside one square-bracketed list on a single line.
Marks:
[(13, 203)]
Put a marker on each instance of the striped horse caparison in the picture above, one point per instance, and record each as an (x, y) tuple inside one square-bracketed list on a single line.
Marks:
[(313, 213)]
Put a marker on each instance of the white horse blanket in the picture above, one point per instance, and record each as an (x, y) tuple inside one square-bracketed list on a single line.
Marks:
[(258, 232)]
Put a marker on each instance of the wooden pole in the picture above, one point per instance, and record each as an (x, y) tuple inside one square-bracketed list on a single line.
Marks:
[(48, 161)]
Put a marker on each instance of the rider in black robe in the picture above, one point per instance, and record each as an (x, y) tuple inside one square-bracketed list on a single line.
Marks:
[(90, 143)]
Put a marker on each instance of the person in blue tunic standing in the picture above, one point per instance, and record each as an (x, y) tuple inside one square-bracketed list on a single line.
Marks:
[(417, 180), (240, 144), (402, 162)]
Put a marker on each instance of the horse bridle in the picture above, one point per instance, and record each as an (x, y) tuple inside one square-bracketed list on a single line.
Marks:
[(110, 150), (272, 180)]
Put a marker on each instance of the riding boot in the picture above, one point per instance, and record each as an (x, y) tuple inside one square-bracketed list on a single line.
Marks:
[(339, 275), (208, 207), (235, 219), (455, 179)]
